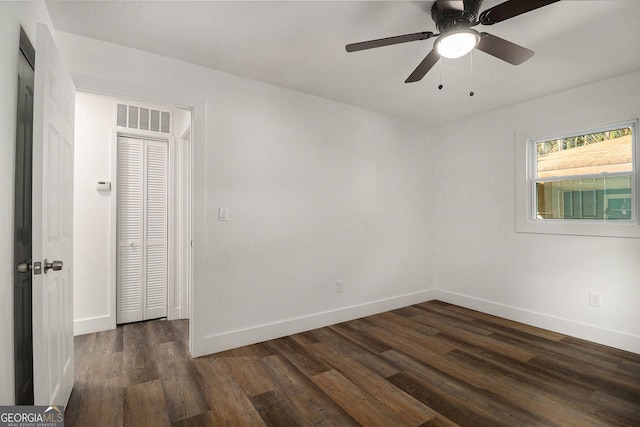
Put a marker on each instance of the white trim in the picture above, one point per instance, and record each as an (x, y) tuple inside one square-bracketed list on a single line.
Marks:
[(198, 226), (183, 230), (242, 337), (91, 325), (609, 337), (113, 232), (172, 314), (524, 165)]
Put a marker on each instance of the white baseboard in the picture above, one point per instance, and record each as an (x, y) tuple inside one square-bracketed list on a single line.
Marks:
[(609, 337), (89, 326), (238, 338)]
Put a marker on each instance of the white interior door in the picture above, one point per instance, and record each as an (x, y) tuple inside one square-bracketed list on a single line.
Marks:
[(54, 98), (142, 229)]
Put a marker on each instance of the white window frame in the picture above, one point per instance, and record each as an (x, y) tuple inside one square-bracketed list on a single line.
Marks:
[(526, 177)]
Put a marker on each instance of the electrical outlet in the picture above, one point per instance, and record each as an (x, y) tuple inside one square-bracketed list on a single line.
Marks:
[(339, 284), (594, 299)]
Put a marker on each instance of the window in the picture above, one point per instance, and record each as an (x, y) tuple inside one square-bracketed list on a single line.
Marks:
[(584, 177), (580, 183)]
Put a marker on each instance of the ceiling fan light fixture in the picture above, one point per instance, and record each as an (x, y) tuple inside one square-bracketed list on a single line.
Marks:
[(458, 43)]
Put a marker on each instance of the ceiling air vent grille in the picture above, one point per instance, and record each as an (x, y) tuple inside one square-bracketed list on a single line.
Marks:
[(149, 119)]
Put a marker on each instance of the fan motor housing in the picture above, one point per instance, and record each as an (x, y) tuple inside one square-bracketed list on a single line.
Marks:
[(450, 20)]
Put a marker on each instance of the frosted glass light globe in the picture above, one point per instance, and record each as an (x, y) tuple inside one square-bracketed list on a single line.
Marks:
[(457, 44)]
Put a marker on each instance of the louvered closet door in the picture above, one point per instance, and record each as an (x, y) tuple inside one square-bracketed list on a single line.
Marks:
[(155, 248), (142, 229)]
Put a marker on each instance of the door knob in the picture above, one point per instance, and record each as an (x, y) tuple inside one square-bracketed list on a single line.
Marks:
[(52, 265), (24, 267)]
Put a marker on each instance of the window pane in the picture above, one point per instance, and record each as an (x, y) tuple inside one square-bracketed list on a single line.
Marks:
[(155, 120), (165, 122), (122, 115), (589, 154), (604, 198), (144, 118), (133, 117)]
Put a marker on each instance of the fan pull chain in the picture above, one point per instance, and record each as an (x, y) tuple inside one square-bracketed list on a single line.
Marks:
[(440, 66), (471, 93)]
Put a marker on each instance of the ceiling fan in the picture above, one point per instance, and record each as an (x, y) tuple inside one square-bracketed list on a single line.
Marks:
[(455, 19)]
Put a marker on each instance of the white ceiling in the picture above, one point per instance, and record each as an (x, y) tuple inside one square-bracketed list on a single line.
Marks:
[(300, 45)]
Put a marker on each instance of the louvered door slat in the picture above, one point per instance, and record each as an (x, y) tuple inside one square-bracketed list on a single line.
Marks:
[(156, 229), (130, 231)]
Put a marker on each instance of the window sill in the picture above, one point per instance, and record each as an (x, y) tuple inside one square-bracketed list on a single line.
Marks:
[(626, 229)]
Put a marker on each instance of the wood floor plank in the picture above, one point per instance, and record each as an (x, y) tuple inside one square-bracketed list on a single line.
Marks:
[(296, 353), (362, 355), (562, 407), (522, 373), (110, 413), (275, 409), (542, 333), (357, 402), (443, 311), (401, 330), (229, 405), (355, 332), (108, 341), (83, 357), (465, 404), (139, 367), (206, 419), (483, 340), (607, 380), (144, 405), (253, 350), (410, 410), (439, 421), (106, 374), (407, 323), (450, 407), (183, 397), (161, 331), (312, 406), (249, 373), (171, 359)]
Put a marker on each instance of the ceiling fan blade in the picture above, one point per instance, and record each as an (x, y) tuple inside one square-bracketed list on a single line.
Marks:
[(503, 49), (423, 68), (511, 8), (446, 6), (354, 47)]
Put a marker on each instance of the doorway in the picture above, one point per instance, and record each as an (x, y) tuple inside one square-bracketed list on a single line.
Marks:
[(23, 328), (100, 120)]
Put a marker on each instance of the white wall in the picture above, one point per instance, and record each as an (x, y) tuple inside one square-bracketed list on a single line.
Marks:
[(12, 15), (317, 192), (481, 262), (92, 213)]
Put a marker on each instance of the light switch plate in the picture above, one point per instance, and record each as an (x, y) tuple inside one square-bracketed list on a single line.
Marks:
[(223, 214)]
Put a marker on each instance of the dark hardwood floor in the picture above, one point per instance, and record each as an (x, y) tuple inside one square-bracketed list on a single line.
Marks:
[(432, 364)]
